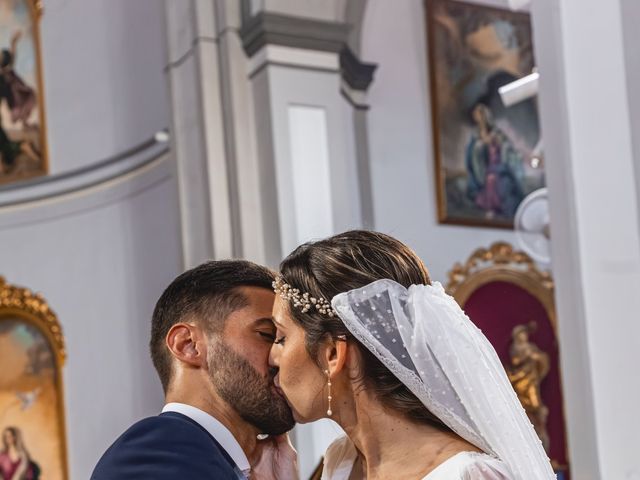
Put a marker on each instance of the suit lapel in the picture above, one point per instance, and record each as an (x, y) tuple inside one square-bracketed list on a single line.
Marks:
[(217, 445)]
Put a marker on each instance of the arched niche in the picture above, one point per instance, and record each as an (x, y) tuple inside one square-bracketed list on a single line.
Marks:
[(503, 292)]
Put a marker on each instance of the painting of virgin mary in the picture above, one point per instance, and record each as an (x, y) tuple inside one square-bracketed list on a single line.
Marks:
[(30, 401), (487, 155)]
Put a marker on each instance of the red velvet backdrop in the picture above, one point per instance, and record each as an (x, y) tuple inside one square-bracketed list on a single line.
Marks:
[(496, 308)]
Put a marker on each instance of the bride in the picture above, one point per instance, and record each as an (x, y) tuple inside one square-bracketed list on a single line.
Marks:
[(365, 338)]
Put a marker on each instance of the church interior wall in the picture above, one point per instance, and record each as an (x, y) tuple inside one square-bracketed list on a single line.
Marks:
[(100, 245), (105, 90), (102, 252), (401, 142)]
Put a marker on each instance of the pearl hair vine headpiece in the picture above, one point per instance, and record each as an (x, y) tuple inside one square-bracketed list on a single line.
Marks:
[(303, 301)]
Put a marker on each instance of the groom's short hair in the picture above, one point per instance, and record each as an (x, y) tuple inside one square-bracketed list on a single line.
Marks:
[(207, 294)]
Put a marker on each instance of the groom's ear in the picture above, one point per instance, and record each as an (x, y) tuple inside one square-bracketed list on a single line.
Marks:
[(185, 342), (336, 355)]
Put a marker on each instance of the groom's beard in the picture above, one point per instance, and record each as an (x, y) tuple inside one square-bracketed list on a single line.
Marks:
[(250, 394)]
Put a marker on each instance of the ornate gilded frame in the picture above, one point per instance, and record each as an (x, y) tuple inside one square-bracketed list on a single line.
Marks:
[(23, 304), (435, 110), (500, 262)]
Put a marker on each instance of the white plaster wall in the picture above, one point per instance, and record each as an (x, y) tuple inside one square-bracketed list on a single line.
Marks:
[(598, 275), (105, 90), (297, 87), (308, 147), (101, 259), (401, 143)]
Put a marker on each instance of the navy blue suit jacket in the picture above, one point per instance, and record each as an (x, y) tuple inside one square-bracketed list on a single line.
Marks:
[(170, 446)]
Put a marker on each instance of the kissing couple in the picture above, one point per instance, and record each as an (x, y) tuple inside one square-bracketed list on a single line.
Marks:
[(351, 328)]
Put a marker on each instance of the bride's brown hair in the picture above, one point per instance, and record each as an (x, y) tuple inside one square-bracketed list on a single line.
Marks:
[(345, 262)]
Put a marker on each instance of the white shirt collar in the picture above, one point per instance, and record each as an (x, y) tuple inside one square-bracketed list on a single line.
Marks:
[(216, 429)]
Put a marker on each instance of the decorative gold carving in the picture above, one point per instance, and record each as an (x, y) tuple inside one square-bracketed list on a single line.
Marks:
[(500, 254), (23, 302), (529, 365), (500, 262), (37, 8)]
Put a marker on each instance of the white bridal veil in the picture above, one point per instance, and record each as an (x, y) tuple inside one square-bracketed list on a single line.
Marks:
[(423, 337)]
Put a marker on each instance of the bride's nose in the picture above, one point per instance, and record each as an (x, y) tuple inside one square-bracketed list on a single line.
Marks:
[(274, 356)]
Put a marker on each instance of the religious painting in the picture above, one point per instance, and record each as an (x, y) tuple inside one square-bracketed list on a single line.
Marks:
[(23, 149), (32, 437), (487, 156)]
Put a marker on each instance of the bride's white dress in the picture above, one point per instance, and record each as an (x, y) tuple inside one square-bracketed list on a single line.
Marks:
[(341, 455)]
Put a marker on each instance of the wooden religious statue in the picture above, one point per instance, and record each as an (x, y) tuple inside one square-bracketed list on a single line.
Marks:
[(528, 367)]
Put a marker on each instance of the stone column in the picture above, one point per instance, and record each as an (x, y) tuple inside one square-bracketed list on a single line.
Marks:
[(584, 100), (356, 78), (198, 141), (308, 92)]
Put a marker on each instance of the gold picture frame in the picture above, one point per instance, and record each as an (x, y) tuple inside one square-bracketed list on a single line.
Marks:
[(32, 395), (500, 262), (486, 155), (23, 130)]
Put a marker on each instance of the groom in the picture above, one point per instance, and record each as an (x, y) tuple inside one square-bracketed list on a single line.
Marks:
[(210, 339)]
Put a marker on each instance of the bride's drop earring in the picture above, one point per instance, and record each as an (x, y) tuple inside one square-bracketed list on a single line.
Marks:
[(329, 411)]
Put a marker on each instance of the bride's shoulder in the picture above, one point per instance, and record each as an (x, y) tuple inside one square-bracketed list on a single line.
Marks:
[(340, 444), (341, 450), (339, 458), (471, 466)]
